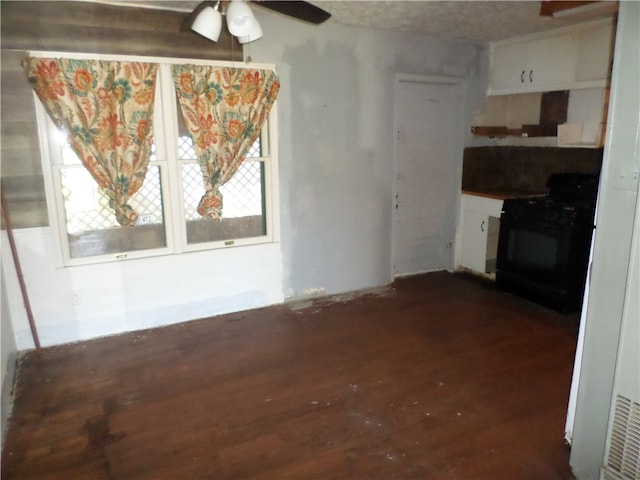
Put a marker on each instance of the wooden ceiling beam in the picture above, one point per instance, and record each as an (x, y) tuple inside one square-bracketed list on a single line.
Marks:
[(555, 8), (549, 7)]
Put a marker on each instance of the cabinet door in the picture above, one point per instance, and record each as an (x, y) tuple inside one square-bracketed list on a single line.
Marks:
[(595, 54), (476, 216), (537, 65), (550, 62), (473, 254), (508, 66)]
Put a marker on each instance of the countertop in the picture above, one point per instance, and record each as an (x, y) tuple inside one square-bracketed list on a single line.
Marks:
[(502, 194)]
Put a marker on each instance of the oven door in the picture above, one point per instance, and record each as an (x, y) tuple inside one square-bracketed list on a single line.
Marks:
[(543, 261)]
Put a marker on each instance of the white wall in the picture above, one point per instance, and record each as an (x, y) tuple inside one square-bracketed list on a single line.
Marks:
[(78, 303), (611, 251), (335, 125)]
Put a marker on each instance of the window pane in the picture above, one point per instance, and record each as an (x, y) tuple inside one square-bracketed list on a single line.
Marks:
[(243, 212), (256, 149), (91, 225), (185, 148)]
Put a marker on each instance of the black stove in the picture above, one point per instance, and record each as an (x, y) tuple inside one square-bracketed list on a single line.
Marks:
[(569, 196), (545, 210), (544, 242)]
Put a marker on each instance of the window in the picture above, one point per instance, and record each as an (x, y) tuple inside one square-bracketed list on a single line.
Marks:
[(168, 222), (244, 207)]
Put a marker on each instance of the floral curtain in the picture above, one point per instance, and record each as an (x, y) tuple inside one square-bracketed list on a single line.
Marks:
[(106, 110), (224, 110)]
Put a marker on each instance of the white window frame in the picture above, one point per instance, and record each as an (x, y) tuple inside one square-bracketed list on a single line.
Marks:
[(165, 121)]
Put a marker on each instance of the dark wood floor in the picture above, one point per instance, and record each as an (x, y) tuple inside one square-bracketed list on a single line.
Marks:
[(436, 377)]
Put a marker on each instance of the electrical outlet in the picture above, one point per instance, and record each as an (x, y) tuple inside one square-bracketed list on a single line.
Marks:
[(75, 298)]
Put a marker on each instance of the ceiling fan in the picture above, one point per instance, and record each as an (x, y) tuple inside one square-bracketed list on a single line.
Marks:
[(206, 18), (301, 10)]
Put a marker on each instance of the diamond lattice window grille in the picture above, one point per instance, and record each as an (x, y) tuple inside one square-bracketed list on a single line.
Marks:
[(242, 194), (185, 148), (256, 149), (193, 189), (148, 200), (87, 207)]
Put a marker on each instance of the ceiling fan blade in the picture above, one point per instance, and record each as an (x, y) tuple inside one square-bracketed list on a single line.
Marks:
[(297, 9)]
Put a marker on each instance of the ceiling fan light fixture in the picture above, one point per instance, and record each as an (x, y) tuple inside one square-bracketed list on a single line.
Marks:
[(208, 23), (255, 34), (240, 19)]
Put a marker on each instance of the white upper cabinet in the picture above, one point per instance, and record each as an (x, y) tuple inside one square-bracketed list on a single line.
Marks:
[(567, 59), (551, 61), (507, 66), (532, 65), (595, 55)]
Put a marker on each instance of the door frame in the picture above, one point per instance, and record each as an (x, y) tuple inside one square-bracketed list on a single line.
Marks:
[(460, 83)]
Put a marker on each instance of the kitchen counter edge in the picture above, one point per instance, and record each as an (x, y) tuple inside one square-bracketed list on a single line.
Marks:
[(502, 194)]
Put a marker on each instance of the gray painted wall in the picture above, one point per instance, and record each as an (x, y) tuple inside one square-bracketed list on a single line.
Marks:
[(335, 117), (611, 252)]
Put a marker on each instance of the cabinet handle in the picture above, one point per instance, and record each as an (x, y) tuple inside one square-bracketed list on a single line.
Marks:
[(482, 226), (522, 77), (531, 76)]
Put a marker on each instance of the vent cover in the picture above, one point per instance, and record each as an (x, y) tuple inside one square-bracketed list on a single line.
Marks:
[(623, 462)]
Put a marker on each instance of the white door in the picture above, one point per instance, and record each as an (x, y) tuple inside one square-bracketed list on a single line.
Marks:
[(428, 151)]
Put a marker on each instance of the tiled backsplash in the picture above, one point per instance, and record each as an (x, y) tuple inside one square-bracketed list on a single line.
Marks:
[(523, 169)]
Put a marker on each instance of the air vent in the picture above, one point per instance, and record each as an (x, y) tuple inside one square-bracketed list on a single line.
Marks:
[(623, 462)]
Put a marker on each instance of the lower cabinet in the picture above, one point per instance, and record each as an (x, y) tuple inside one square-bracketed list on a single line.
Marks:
[(478, 233)]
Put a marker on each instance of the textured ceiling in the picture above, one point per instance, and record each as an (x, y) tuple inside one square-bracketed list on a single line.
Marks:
[(473, 20)]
